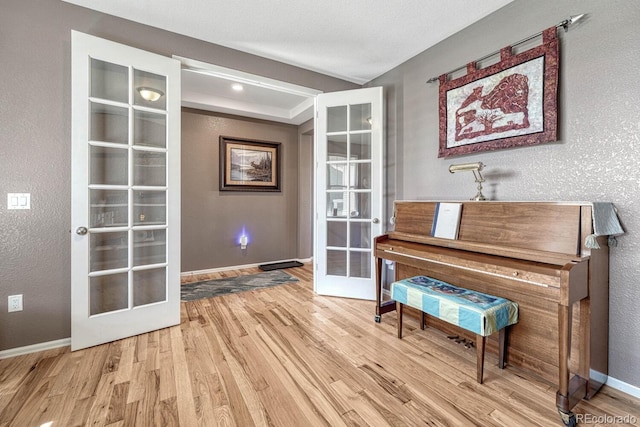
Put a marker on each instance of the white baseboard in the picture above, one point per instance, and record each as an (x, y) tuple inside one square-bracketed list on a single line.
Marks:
[(624, 387), (19, 351), (237, 267)]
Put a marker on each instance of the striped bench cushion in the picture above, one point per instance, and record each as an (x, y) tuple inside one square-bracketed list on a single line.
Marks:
[(474, 311)]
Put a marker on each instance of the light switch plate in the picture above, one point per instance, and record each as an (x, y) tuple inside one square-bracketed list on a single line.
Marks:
[(19, 201)]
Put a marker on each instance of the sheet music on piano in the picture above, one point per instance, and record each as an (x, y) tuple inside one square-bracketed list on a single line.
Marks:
[(446, 220)]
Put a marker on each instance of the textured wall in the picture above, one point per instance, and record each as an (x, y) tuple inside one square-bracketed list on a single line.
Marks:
[(595, 158), (35, 134), (212, 220)]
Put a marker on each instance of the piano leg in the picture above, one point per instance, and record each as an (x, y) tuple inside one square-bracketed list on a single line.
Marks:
[(570, 390), (381, 307), (378, 289), (564, 352), (399, 307)]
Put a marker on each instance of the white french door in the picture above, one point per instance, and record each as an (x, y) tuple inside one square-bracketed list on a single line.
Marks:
[(349, 186), (125, 249)]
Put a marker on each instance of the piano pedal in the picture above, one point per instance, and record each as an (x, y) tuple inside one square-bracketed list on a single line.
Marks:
[(469, 344), (453, 337), (461, 340)]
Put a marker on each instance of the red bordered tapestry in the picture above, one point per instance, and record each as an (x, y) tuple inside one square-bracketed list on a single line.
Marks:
[(509, 104)]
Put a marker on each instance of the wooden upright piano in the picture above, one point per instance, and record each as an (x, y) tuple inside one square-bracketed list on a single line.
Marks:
[(532, 253)]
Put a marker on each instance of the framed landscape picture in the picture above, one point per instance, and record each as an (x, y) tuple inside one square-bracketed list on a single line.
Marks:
[(249, 165)]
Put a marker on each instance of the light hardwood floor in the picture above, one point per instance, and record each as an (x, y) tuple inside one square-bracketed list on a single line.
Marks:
[(282, 356)]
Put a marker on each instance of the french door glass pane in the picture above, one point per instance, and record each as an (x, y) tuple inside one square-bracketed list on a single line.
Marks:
[(337, 176), (109, 81), (360, 117), (149, 168), (149, 129), (337, 119), (109, 166), (150, 207), (337, 234), (109, 251), (155, 82), (360, 205), (109, 208), (109, 123), (108, 293), (337, 148), (149, 286), (360, 264), (336, 262), (361, 176), (360, 235), (149, 247), (337, 204), (360, 146)]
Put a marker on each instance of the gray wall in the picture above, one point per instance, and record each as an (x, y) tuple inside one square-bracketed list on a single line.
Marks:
[(595, 158), (35, 135), (213, 220)]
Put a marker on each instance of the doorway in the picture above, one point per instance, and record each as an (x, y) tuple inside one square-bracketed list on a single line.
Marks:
[(211, 109)]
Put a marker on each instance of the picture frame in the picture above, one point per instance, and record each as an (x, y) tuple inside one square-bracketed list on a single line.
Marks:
[(249, 165), (509, 104)]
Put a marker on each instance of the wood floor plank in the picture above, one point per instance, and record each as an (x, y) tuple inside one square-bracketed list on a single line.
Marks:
[(117, 403), (204, 380), (100, 407), (79, 414), (185, 403), (369, 413), (282, 356), (29, 392)]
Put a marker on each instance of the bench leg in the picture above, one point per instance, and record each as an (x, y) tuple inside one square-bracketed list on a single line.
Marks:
[(423, 320), (502, 347), (480, 341), (399, 307)]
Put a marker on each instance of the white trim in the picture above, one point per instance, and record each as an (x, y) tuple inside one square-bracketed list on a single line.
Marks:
[(244, 78), (237, 267), (598, 376), (629, 389), (19, 351)]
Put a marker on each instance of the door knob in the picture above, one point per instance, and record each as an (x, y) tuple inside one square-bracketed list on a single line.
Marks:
[(81, 231), (375, 220)]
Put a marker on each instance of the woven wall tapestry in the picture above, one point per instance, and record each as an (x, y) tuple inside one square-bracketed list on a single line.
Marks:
[(508, 104)]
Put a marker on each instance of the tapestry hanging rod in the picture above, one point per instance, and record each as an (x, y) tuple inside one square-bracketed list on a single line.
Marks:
[(565, 24)]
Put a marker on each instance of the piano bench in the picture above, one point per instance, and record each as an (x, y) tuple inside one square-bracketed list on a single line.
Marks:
[(476, 312)]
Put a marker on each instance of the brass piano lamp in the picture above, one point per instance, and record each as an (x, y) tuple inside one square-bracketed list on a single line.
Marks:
[(474, 167)]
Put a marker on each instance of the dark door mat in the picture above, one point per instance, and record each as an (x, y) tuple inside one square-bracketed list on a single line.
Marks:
[(280, 265)]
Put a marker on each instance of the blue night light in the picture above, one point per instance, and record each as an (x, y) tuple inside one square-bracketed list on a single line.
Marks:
[(243, 239)]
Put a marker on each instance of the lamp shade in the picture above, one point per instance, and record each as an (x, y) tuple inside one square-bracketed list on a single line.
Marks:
[(150, 94)]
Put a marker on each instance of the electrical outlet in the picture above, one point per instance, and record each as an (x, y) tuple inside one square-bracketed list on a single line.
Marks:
[(15, 303)]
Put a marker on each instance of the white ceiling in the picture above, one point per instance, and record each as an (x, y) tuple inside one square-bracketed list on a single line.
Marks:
[(354, 40), (210, 87)]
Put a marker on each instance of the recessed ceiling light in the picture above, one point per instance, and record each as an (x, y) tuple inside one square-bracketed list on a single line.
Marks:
[(237, 87)]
